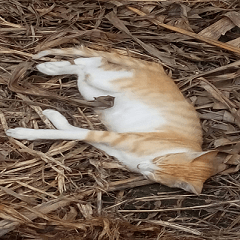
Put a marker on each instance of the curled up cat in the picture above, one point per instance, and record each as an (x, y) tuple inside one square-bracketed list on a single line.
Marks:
[(151, 129)]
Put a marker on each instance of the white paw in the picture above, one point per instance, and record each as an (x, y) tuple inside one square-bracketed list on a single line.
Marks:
[(57, 119), (52, 114), (22, 133), (53, 68)]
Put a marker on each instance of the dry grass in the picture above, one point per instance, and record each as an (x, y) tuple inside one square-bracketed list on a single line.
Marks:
[(69, 190)]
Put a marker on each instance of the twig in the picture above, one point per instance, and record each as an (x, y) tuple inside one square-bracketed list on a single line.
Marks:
[(210, 41), (174, 226)]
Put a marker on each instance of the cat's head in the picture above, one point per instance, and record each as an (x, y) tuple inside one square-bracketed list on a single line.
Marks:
[(187, 170)]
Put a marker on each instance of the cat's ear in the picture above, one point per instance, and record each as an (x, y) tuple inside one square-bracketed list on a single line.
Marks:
[(214, 166), (215, 163), (197, 161), (205, 156)]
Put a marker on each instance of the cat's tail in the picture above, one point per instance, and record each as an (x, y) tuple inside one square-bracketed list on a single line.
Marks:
[(109, 56)]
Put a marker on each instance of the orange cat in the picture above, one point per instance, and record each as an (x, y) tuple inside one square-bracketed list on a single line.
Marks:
[(152, 129)]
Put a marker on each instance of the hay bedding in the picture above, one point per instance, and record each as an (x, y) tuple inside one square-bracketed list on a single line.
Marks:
[(69, 190)]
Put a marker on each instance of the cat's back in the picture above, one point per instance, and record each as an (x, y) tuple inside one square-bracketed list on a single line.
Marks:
[(160, 92)]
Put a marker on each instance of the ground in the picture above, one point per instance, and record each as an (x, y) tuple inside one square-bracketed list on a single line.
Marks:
[(70, 190)]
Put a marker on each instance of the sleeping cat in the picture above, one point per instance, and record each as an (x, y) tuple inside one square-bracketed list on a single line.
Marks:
[(152, 129)]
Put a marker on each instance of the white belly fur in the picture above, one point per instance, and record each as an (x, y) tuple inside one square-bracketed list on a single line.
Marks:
[(131, 116)]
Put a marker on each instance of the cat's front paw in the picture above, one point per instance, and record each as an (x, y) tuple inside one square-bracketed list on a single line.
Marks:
[(22, 133)]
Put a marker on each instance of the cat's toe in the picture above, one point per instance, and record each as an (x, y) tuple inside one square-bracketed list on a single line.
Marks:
[(21, 133)]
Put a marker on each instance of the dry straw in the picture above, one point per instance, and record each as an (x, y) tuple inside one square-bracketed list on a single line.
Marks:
[(70, 190)]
